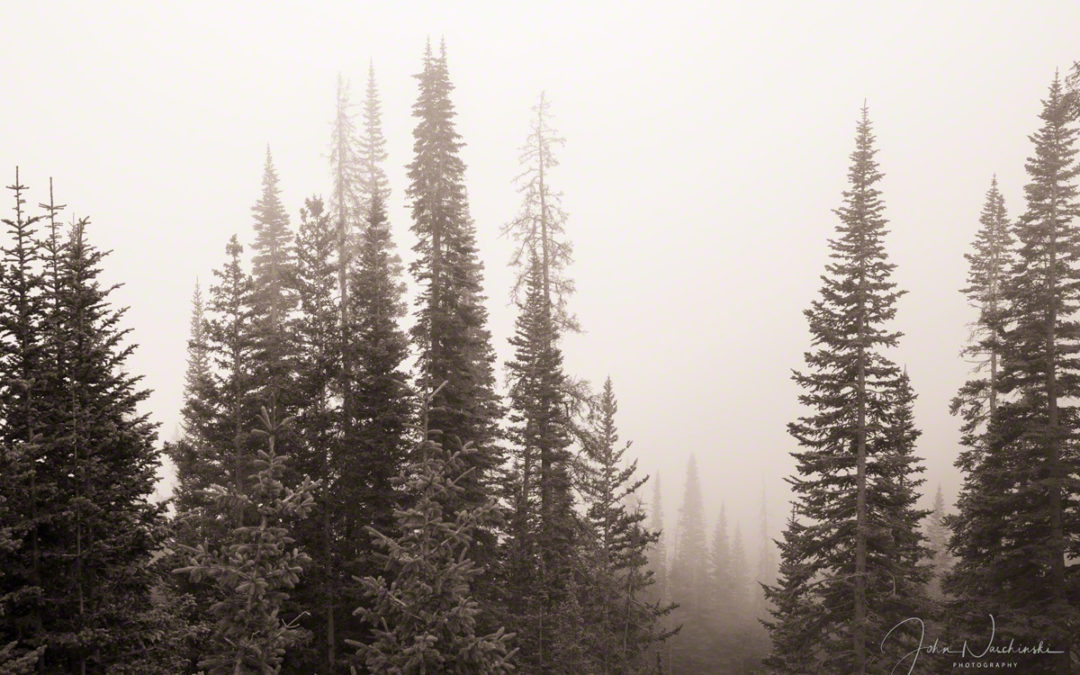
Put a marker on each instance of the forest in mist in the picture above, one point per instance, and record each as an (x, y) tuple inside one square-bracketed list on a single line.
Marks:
[(359, 485)]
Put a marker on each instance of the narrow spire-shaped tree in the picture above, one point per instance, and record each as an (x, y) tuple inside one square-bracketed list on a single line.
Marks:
[(319, 434), (850, 464), (346, 204), (793, 607), (371, 152), (766, 559), (937, 540), (539, 228), (625, 625), (1016, 526), (691, 648), (27, 479), (272, 298), (451, 332)]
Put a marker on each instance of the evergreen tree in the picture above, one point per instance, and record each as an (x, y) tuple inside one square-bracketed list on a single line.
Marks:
[(346, 204), (272, 299), (793, 627), (539, 229), (382, 408), (1017, 523), (621, 617), (253, 567), (319, 430), (103, 530), (450, 331), (423, 614), (219, 410), (371, 152), (977, 400), (543, 521), (937, 539), (766, 560), (27, 480), (692, 648), (853, 482)]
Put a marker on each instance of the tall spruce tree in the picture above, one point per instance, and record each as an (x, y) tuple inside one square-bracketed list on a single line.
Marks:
[(543, 521), (27, 480), (852, 483), (793, 623), (937, 539), (379, 434), (451, 323), (104, 529), (319, 425), (977, 401), (1017, 525)]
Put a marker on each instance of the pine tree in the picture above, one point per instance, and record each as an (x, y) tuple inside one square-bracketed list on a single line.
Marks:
[(692, 647), (1017, 524), (450, 331), (371, 152), (766, 560), (853, 484), (220, 410), (795, 642), (253, 567), (543, 521), (937, 538), (539, 228), (103, 528), (621, 617), (423, 614), (977, 400), (382, 408), (720, 584), (27, 480), (319, 429), (271, 298), (346, 204)]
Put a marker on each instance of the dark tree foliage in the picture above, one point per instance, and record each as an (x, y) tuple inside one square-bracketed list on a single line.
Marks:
[(543, 522), (421, 606), (101, 532), (855, 487), (378, 436), (1018, 523), (795, 624), (451, 332), (315, 333), (253, 567)]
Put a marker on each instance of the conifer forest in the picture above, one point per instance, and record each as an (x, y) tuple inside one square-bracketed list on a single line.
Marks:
[(674, 355)]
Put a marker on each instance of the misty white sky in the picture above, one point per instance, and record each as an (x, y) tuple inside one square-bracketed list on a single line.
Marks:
[(706, 144)]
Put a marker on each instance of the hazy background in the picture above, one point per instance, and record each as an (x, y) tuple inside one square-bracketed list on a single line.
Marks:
[(706, 145)]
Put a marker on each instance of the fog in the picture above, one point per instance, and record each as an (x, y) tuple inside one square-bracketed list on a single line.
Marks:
[(706, 146)]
